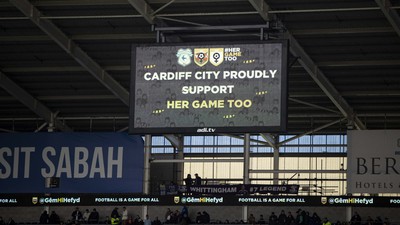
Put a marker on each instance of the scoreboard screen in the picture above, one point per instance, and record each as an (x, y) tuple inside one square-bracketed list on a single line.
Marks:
[(209, 88)]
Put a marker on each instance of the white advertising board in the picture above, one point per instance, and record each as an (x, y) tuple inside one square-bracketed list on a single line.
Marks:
[(373, 161)]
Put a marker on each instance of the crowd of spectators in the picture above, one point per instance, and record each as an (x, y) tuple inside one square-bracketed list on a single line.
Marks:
[(9, 222), (300, 217), (303, 217)]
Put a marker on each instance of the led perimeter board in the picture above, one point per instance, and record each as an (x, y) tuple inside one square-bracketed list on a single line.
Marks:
[(209, 88)]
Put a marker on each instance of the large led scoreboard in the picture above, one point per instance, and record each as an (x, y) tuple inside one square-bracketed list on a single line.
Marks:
[(209, 88)]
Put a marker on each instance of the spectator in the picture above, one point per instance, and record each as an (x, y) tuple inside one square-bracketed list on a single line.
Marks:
[(299, 217), (11, 221), (251, 219), (188, 182), (261, 220), (156, 221), (175, 217), (378, 221), (326, 222), (54, 218), (85, 216), (124, 215), (315, 219), (184, 212), (273, 219), (369, 221), (137, 220), (76, 215), (107, 220), (338, 223), (199, 218), (386, 221), (130, 221), (206, 217), (168, 219), (290, 219), (243, 190), (355, 219), (2, 221), (115, 213), (147, 220), (197, 180), (185, 220), (307, 218), (93, 217), (44, 218), (167, 216), (282, 218), (115, 217)]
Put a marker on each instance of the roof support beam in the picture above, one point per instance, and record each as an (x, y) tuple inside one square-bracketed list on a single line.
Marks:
[(391, 15), (28, 100), (271, 140), (309, 132), (319, 77), (313, 105), (72, 49), (261, 7), (175, 140), (144, 9)]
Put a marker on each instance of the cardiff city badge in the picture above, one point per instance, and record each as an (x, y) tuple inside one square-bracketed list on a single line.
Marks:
[(34, 200), (184, 56), (176, 199), (201, 56), (217, 56)]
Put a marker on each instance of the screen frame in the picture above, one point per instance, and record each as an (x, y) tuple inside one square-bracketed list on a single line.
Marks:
[(218, 130)]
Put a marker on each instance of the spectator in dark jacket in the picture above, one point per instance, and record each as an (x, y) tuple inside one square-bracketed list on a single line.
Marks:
[(54, 218), (93, 217), (44, 218)]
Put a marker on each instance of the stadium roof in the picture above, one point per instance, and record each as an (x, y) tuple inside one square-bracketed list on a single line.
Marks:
[(68, 61)]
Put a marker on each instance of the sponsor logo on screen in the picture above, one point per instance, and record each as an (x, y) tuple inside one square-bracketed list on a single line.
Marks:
[(217, 56), (324, 200), (184, 56), (34, 200), (201, 56), (206, 130)]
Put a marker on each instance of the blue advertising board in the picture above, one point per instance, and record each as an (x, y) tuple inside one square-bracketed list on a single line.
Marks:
[(71, 163)]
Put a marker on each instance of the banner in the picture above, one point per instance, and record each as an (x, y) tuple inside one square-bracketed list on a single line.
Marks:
[(241, 189), (71, 163), (114, 199), (373, 161)]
